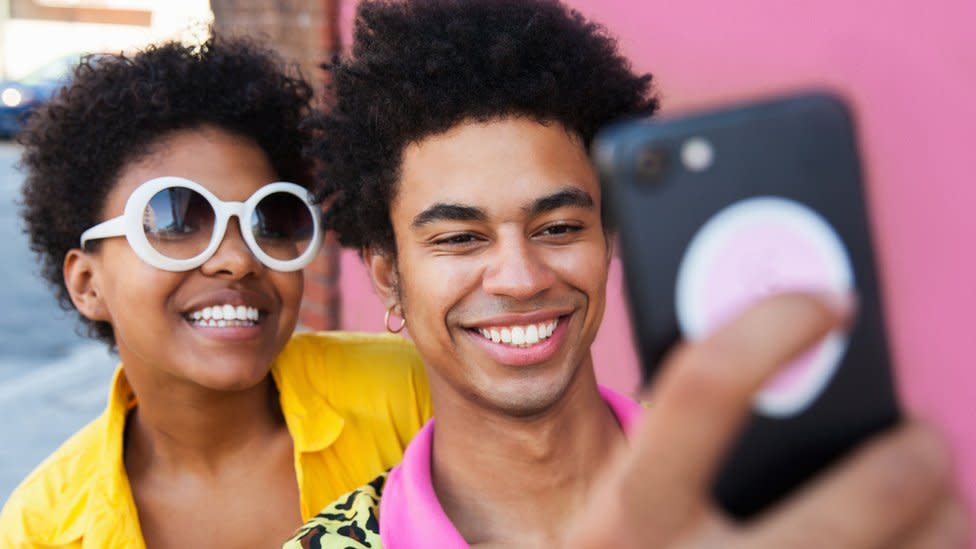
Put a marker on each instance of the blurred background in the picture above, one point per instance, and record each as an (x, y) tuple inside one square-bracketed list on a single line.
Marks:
[(908, 69)]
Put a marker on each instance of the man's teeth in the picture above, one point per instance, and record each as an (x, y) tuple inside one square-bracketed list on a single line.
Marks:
[(520, 336), (225, 316)]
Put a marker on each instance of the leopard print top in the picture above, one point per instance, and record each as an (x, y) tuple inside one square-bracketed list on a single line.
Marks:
[(350, 522)]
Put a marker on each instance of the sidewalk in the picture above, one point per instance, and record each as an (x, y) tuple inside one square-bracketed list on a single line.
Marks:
[(41, 408)]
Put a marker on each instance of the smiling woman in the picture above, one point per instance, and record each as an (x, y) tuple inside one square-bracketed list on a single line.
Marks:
[(166, 198)]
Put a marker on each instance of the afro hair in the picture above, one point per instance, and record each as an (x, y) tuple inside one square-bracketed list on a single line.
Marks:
[(420, 67)]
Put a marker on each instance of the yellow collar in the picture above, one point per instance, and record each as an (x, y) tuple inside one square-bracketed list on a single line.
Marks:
[(106, 496)]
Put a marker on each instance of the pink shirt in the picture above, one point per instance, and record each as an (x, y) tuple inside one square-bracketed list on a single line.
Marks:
[(411, 517)]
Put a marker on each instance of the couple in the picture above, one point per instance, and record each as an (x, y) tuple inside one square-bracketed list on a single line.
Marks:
[(455, 157)]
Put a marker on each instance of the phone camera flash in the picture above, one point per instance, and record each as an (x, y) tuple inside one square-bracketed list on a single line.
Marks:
[(697, 154)]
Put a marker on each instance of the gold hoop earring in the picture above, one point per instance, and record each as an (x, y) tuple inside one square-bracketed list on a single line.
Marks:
[(386, 321)]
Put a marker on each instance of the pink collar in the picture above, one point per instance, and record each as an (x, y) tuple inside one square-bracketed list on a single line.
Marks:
[(410, 514)]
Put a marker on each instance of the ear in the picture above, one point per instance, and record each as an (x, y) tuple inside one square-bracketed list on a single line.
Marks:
[(79, 271), (383, 273), (611, 238)]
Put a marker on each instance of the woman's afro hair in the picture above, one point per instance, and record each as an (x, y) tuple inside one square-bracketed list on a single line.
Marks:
[(420, 67), (117, 107)]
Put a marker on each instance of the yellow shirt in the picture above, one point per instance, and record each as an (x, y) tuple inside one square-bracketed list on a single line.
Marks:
[(351, 402)]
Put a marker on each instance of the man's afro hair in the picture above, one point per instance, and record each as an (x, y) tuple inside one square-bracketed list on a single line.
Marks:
[(420, 67)]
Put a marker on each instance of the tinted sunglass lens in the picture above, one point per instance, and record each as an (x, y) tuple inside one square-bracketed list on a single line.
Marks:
[(178, 222), (282, 225)]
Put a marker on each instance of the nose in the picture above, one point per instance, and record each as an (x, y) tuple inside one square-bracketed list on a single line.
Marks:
[(516, 269), (233, 257)]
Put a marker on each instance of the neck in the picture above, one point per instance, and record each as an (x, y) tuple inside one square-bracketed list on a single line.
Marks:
[(185, 427), (498, 476)]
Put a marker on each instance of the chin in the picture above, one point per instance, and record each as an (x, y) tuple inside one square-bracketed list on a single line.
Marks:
[(231, 378), (524, 397)]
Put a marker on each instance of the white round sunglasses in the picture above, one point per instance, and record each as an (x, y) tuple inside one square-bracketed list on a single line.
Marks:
[(176, 224)]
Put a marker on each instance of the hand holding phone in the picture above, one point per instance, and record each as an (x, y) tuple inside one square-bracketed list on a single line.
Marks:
[(893, 490), (720, 209)]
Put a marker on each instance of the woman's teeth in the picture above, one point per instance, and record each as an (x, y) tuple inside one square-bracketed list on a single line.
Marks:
[(520, 336), (224, 316)]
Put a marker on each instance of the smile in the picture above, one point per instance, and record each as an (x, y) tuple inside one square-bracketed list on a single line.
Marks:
[(525, 343), (520, 336), (224, 316)]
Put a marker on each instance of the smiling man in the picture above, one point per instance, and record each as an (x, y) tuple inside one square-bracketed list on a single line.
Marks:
[(482, 226), (504, 299), (456, 153), (504, 296)]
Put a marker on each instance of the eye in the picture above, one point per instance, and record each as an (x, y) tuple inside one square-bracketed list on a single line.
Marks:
[(557, 230), (456, 240), (457, 243)]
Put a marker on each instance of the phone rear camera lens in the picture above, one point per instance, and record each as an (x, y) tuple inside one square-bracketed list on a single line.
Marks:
[(651, 163)]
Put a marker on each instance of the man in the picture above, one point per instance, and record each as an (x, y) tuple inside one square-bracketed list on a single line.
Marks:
[(456, 152)]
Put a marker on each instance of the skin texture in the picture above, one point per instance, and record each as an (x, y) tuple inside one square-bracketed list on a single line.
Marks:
[(467, 259), (208, 414)]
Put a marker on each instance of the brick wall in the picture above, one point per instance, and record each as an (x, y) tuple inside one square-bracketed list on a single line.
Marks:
[(304, 31)]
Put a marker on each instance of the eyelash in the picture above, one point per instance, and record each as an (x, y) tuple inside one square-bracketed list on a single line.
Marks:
[(456, 240), (564, 229), (464, 239)]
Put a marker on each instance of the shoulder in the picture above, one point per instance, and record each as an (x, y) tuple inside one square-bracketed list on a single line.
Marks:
[(375, 382), (47, 506), (344, 362), (350, 521), (344, 351)]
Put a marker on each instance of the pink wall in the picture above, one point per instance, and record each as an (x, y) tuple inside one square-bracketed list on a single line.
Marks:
[(909, 70)]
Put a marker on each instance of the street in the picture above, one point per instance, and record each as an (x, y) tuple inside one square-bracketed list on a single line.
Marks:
[(52, 380)]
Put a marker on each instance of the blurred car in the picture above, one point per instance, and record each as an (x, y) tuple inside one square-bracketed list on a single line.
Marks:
[(18, 98)]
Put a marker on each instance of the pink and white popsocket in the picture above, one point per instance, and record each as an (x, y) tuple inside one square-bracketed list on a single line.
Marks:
[(755, 248)]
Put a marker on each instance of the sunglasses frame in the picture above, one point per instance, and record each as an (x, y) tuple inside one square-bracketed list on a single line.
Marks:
[(129, 225)]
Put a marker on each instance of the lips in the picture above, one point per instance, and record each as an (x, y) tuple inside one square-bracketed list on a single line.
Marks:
[(528, 342), (229, 309)]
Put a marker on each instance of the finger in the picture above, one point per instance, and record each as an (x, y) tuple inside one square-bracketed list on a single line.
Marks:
[(600, 522), (606, 522), (867, 500), (650, 493), (704, 393), (947, 527)]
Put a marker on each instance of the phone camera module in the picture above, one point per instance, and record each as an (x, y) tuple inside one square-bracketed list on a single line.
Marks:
[(651, 163)]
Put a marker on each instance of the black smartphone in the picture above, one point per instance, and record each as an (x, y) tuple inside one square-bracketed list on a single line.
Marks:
[(720, 208)]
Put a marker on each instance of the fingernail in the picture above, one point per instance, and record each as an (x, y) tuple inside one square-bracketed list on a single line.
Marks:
[(844, 302)]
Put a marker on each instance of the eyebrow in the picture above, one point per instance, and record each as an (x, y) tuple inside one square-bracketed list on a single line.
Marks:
[(569, 197), (448, 212)]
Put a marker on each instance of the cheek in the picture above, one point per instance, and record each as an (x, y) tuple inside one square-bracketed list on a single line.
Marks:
[(430, 287), (584, 266), (290, 288), (128, 286)]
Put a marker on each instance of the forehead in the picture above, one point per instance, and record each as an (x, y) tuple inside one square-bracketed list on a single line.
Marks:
[(498, 166), (230, 166)]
